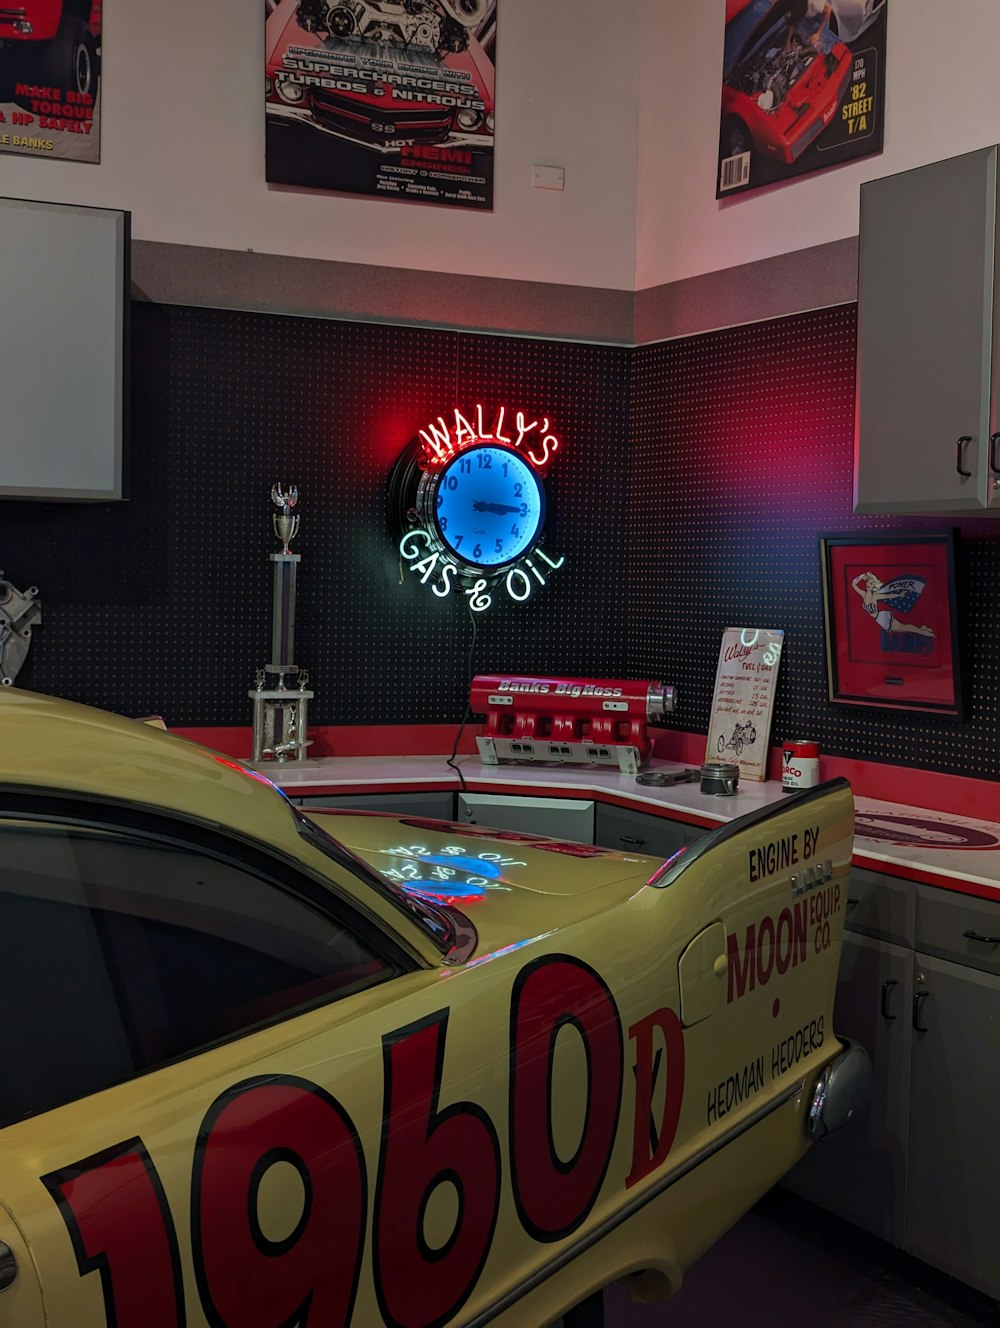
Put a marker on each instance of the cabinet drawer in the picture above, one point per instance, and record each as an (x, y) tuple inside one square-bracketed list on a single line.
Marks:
[(556, 818), (881, 906), (438, 806), (637, 832), (944, 917)]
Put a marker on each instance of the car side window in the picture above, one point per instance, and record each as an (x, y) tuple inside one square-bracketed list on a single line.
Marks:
[(120, 952)]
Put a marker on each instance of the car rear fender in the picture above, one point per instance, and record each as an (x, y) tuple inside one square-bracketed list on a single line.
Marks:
[(757, 975)]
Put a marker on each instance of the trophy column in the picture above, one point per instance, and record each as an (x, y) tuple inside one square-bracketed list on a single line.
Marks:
[(281, 711)]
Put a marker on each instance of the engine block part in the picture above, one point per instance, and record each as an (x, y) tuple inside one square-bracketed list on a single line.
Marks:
[(18, 614)]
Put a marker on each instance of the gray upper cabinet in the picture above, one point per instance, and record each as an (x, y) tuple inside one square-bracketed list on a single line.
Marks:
[(927, 435)]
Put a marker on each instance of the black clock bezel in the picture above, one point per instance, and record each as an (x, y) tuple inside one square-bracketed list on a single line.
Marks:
[(426, 505)]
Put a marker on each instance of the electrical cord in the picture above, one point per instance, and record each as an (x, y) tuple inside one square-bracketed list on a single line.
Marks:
[(468, 711)]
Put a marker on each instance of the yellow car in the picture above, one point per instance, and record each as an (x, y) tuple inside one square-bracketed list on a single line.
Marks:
[(264, 1069)]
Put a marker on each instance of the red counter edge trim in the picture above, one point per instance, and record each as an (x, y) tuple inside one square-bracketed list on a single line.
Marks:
[(907, 785), (955, 884)]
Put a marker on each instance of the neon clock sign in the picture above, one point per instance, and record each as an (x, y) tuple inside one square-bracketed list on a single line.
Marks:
[(469, 497)]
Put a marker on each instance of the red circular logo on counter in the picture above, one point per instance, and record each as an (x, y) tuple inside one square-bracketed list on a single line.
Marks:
[(923, 832)]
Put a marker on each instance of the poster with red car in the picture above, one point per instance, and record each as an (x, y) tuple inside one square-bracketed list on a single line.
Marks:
[(803, 88), (393, 100), (50, 74)]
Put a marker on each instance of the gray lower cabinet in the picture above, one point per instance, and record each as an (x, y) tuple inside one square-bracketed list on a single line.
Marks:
[(882, 906), (437, 806), (557, 818), (953, 1195), (919, 986), (637, 832), (580, 820), (860, 1173)]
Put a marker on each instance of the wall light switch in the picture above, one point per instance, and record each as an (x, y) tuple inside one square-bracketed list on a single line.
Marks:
[(548, 177)]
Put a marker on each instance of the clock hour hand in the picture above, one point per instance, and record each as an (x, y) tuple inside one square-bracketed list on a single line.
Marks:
[(498, 509)]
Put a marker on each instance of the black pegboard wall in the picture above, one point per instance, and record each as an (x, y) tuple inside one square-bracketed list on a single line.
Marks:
[(163, 603), (694, 481), (741, 456)]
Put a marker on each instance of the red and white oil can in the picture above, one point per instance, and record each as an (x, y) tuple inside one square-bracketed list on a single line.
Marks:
[(799, 766)]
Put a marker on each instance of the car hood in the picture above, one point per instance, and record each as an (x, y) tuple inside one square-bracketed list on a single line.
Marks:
[(510, 886), (455, 861)]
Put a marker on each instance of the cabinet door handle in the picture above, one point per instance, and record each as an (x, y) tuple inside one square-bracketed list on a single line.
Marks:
[(852, 903), (918, 1005), (965, 438), (887, 987), (975, 936), (994, 443), (627, 839)]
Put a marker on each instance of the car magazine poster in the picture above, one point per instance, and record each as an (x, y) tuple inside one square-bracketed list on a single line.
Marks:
[(384, 99), (50, 96), (803, 88), (743, 700)]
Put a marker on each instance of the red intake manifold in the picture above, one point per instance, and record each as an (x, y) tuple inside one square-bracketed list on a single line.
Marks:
[(609, 711)]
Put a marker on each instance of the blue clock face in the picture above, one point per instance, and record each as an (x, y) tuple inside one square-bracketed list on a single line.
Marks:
[(489, 506)]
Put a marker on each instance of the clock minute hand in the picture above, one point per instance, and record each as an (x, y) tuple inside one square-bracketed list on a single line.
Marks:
[(498, 509)]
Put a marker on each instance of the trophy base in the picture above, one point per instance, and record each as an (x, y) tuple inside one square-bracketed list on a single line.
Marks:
[(280, 723)]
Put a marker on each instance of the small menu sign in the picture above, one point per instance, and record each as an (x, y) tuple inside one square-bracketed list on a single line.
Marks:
[(743, 701)]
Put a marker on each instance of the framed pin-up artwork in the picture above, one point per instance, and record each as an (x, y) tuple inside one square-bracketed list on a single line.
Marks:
[(890, 622)]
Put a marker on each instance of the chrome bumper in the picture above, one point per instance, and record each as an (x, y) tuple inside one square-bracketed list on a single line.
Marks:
[(843, 1090)]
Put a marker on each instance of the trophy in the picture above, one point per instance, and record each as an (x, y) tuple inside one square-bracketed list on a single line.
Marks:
[(281, 711), (286, 526)]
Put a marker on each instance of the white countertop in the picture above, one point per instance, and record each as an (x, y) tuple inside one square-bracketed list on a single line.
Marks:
[(921, 843)]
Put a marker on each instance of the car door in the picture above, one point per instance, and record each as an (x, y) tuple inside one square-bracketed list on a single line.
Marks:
[(191, 1091)]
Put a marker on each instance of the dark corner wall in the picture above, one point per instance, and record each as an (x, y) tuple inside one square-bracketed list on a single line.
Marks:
[(694, 479), (742, 454)]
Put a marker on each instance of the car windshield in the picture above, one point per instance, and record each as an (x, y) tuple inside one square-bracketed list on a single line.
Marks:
[(439, 922), (740, 29)]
